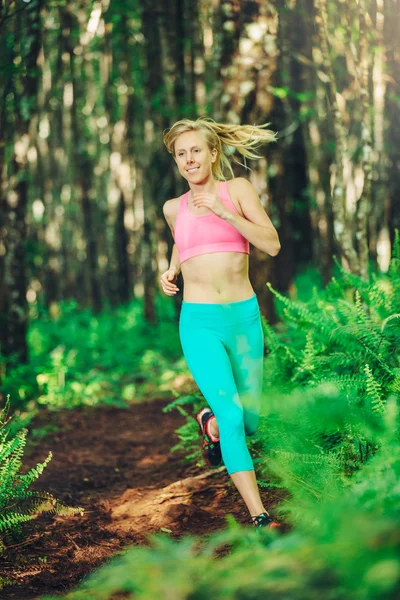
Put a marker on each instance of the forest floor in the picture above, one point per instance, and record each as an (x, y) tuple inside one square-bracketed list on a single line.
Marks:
[(117, 465)]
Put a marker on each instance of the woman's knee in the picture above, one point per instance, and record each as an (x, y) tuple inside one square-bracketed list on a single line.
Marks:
[(230, 419)]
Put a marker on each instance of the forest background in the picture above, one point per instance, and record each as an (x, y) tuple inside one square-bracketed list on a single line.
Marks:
[(86, 90), (89, 87)]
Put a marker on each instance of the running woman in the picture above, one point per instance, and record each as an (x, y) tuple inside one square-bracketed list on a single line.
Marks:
[(219, 324)]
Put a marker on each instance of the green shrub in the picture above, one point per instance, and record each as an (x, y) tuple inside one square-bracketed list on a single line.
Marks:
[(346, 338), (17, 502), (79, 358), (347, 334)]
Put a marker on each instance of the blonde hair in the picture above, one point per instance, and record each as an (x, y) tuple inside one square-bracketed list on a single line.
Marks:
[(224, 138)]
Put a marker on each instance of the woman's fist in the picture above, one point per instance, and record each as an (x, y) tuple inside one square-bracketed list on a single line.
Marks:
[(212, 202), (168, 280)]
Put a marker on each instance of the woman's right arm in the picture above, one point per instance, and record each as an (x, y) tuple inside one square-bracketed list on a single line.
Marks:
[(175, 262), (170, 217), (168, 279)]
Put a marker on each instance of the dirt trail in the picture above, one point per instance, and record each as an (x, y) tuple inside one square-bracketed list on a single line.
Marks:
[(116, 464)]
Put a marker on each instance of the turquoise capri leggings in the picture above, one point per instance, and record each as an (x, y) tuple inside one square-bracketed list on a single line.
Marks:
[(223, 345)]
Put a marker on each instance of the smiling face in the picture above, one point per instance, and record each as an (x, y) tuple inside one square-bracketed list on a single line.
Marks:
[(193, 156)]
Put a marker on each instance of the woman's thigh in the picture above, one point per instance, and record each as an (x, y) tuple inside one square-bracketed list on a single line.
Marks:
[(245, 345), (209, 364)]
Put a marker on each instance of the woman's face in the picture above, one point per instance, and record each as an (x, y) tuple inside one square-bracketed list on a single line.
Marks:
[(193, 156)]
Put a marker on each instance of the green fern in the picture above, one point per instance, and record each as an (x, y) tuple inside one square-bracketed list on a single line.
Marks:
[(18, 504), (180, 401), (338, 332), (348, 336), (374, 391), (10, 520), (394, 386)]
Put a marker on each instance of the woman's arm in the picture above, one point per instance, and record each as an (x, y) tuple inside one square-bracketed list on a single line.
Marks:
[(170, 217), (256, 226), (175, 263)]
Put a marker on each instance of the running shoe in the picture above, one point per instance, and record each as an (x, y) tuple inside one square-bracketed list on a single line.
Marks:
[(264, 520), (210, 448)]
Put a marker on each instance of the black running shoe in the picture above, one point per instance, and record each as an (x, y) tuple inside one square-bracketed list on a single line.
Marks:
[(210, 448), (264, 520)]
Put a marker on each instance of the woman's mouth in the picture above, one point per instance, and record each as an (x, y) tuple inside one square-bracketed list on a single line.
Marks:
[(192, 169)]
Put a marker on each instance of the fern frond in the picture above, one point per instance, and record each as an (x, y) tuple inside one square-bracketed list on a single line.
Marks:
[(181, 400), (308, 357), (10, 520), (351, 279), (309, 459), (365, 319), (345, 381), (271, 484), (4, 413), (24, 481), (271, 338), (388, 319), (8, 448), (373, 389), (394, 385), (333, 291), (298, 312), (17, 503)]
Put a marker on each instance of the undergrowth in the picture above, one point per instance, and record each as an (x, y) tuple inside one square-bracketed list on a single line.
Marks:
[(18, 503), (79, 358), (345, 543)]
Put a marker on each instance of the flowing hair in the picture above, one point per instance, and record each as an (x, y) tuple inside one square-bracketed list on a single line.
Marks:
[(224, 138)]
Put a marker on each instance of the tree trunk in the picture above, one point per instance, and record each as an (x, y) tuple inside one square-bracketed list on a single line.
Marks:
[(343, 228), (392, 111), (149, 130), (13, 302), (121, 240), (83, 169), (363, 205)]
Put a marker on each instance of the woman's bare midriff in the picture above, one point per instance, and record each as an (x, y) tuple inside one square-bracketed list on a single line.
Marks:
[(218, 277)]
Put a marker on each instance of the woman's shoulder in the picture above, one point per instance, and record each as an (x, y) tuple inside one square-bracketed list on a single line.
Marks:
[(171, 206), (170, 210), (238, 186), (238, 183)]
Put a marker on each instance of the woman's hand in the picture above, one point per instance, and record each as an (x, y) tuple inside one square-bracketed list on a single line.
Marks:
[(212, 202), (168, 280)]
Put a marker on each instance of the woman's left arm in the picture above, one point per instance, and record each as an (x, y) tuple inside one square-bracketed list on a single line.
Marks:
[(257, 226)]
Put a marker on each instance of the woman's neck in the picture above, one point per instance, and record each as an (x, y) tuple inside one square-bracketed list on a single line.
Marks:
[(209, 186)]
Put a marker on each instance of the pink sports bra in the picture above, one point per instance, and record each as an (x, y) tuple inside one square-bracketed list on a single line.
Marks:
[(201, 234)]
